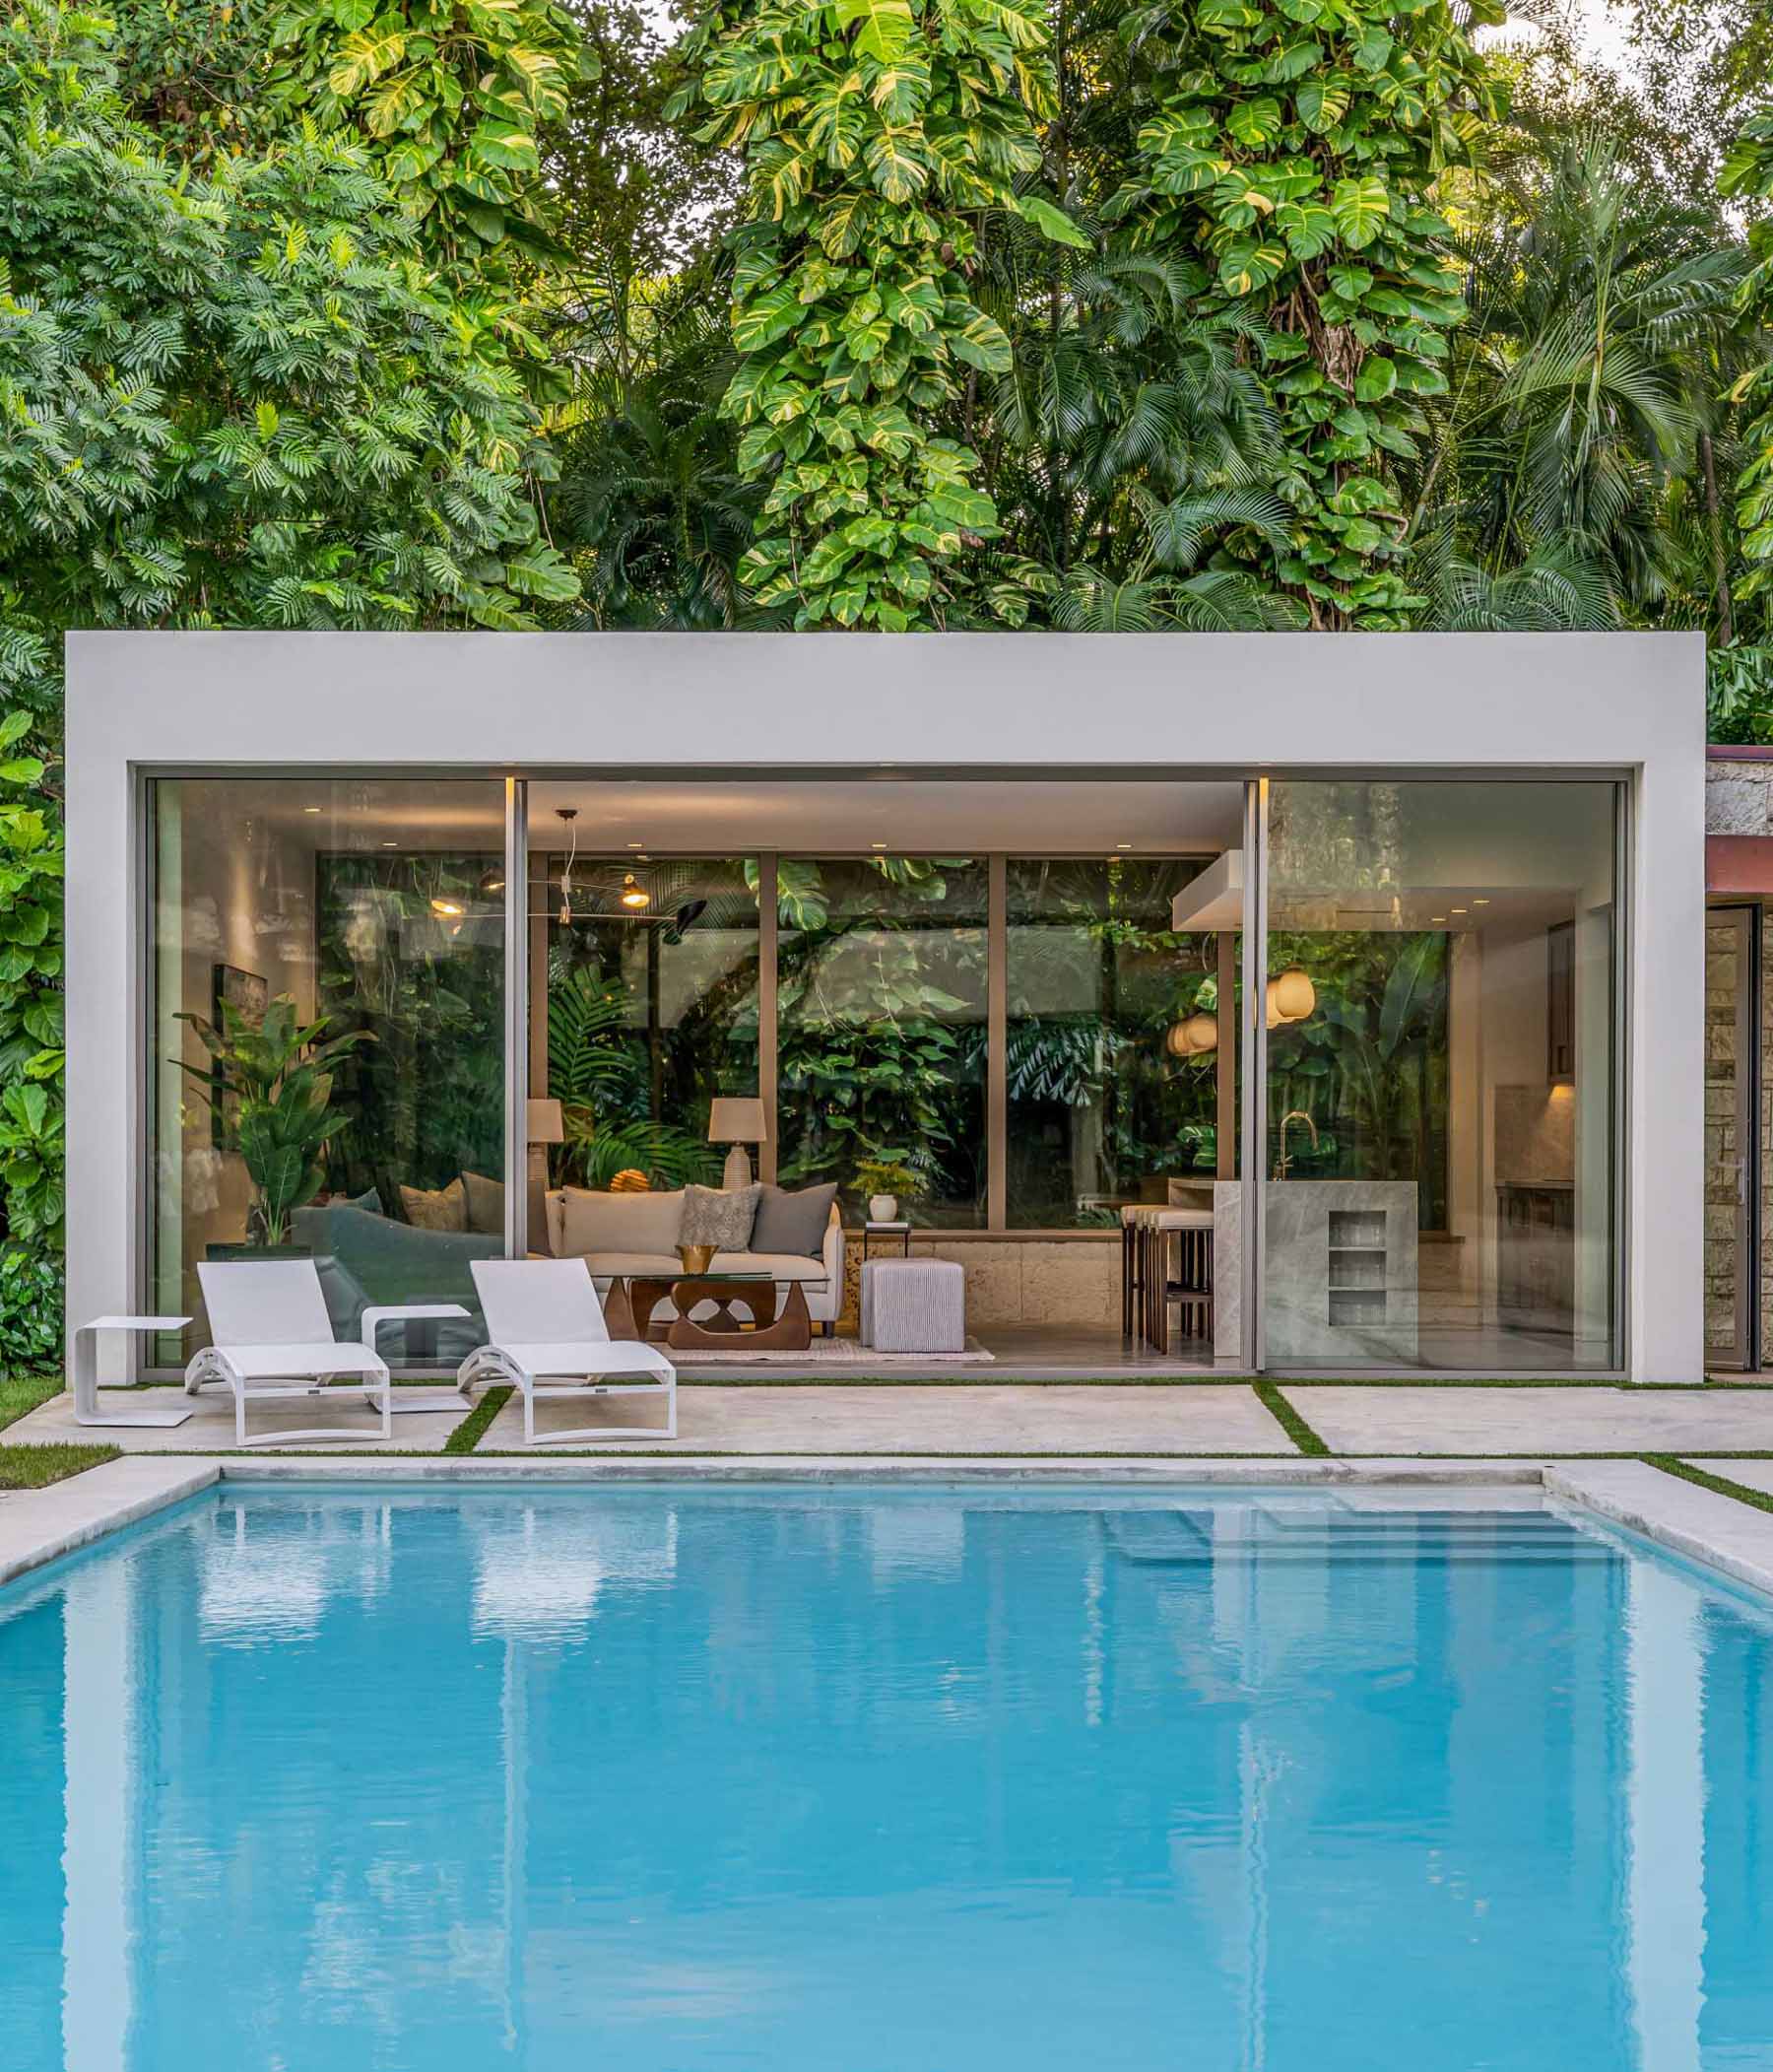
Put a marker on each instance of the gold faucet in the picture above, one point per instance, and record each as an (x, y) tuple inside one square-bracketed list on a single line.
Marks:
[(1285, 1161)]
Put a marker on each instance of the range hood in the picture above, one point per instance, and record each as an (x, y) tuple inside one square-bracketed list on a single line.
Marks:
[(1213, 901)]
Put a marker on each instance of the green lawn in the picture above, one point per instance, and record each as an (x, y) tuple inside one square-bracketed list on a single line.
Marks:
[(36, 1467), (20, 1393)]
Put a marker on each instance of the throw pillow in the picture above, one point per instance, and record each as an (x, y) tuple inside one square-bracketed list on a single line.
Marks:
[(438, 1209), (713, 1216), (485, 1204), (593, 1221), (793, 1223)]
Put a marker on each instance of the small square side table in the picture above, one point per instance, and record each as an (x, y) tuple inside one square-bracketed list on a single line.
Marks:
[(886, 1233), (86, 1375)]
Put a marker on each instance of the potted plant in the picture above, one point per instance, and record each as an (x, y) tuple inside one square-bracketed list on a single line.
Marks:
[(885, 1179), (269, 1085)]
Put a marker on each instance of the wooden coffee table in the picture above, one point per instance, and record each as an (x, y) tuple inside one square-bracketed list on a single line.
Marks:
[(629, 1305)]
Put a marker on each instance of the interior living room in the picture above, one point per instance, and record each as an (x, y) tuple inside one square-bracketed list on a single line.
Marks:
[(773, 1030)]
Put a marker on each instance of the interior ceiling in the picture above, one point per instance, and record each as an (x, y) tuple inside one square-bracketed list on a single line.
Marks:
[(907, 815)]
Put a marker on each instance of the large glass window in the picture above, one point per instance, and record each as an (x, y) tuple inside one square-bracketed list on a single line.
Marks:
[(881, 1031), (328, 1066), (652, 969), (1113, 1059), (1440, 1076)]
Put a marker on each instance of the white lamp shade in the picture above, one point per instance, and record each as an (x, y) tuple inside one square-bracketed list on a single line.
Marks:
[(736, 1120), (546, 1123)]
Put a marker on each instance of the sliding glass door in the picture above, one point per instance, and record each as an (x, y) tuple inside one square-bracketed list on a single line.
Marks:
[(327, 1073), (1439, 1143)]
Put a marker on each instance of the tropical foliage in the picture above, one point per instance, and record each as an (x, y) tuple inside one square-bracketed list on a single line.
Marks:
[(1748, 174), (269, 1086), (1290, 160), (873, 313), (872, 130)]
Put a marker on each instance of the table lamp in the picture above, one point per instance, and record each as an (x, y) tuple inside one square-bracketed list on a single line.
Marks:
[(545, 1126), (738, 1120)]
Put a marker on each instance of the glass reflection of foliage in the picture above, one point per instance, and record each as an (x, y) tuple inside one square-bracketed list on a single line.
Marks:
[(880, 1003), (1100, 1111), (1369, 1065), (652, 1010), (425, 1099)]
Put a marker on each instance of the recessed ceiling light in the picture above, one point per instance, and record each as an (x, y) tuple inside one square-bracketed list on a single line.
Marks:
[(877, 844), (310, 809), (1457, 910), (1123, 845), (1479, 902), (390, 845), (637, 845), (1435, 921)]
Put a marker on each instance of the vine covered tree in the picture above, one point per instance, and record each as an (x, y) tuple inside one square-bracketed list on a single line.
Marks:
[(873, 131), (1292, 147)]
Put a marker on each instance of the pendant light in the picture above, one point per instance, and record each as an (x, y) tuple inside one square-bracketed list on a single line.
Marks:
[(567, 815)]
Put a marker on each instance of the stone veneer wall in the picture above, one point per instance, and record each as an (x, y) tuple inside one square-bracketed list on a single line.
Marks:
[(1723, 1069), (1070, 1282), (1739, 800), (1766, 1140)]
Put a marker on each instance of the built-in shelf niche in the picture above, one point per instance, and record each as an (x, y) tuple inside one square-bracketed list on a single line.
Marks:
[(1355, 1281)]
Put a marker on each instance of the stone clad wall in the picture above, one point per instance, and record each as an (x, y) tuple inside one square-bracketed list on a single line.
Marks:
[(1070, 1282), (1723, 984), (1739, 801)]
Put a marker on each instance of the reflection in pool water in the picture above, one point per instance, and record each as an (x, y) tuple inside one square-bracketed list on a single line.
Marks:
[(663, 1778)]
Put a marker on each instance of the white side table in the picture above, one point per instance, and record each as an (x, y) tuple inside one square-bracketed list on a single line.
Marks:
[(86, 1375), (457, 1398)]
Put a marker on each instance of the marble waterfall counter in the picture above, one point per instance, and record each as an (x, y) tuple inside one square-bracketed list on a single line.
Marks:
[(1339, 1272)]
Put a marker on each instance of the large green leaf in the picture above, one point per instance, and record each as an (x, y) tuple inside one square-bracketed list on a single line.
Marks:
[(1361, 209), (883, 26)]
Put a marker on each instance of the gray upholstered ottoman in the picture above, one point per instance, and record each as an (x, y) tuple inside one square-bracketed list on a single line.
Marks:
[(914, 1305)]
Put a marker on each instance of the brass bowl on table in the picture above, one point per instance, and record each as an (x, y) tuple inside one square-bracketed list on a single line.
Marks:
[(697, 1258)]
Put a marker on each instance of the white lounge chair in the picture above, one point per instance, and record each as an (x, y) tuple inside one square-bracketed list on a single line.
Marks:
[(546, 1336), (274, 1339)]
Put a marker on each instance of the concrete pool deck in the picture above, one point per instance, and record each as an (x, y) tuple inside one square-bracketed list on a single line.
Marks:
[(1005, 1416)]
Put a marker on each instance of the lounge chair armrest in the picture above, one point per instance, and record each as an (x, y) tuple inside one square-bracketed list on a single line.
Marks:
[(404, 1312)]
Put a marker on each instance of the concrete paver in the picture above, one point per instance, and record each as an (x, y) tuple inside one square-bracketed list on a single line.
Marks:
[(1051, 1417), (1401, 1418)]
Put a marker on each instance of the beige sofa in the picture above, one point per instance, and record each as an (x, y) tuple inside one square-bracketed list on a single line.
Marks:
[(619, 1234)]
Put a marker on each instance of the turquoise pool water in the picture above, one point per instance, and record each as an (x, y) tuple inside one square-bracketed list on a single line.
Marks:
[(858, 1780)]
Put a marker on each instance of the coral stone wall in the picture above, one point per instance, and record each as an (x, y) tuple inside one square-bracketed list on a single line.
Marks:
[(1064, 1282)]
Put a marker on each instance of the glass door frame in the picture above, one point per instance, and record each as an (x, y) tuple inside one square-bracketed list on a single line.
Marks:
[(1621, 1062)]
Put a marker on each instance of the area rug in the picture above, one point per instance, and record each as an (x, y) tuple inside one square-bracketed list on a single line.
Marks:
[(835, 1353)]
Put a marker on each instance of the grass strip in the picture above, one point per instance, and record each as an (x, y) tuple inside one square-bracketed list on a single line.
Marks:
[(1288, 1418), (1717, 1484), (36, 1467), (22, 1393), (475, 1426)]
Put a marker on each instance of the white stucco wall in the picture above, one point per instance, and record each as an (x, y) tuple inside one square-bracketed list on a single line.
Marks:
[(1063, 705)]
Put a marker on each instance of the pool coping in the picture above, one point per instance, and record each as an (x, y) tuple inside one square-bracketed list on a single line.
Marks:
[(38, 1527)]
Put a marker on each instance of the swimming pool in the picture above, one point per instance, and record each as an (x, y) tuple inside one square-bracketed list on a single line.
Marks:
[(861, 1779)]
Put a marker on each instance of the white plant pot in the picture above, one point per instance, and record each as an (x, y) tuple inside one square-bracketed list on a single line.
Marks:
[(882, 1208)]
